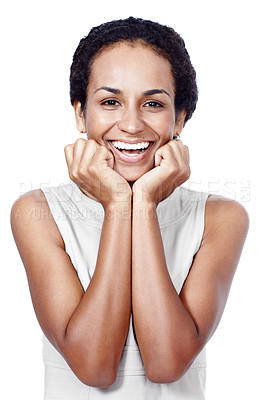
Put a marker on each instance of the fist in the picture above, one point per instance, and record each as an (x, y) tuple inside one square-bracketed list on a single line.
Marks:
[(90, 166), (170, 171)]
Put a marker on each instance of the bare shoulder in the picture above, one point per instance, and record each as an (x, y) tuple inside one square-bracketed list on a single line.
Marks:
[(29, 202), (30, 207), (224, 209), (31, 215), (226, 216)]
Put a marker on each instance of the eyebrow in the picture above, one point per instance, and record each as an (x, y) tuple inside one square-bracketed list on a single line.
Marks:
[(146, 93), (155, 91), (109, 89)]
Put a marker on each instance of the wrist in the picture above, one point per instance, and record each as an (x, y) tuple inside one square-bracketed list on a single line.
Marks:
[(143, 199), (144, 195), (118, 198), (118, 209), (144, 209)]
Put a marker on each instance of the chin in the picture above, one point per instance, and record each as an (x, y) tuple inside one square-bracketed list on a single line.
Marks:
[(132, 174)]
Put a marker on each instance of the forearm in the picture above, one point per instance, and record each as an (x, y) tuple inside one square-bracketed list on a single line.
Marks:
[(97, 330), (167, 335)]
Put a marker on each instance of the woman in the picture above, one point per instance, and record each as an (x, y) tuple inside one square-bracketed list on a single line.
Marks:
[(129, 272)]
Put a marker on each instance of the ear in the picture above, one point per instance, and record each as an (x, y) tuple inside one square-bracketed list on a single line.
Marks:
[(79, 114), (180, 122)]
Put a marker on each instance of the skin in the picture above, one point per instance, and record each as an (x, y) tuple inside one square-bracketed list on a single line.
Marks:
[(90, 328)]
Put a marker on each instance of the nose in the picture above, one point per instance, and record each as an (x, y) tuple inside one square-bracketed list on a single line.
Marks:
[(131, 121)]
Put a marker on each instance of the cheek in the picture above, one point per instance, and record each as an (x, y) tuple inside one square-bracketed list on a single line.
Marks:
[(98, 123), (162, 125)]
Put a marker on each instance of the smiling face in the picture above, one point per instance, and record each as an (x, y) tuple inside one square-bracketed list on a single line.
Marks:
[(130, 106)]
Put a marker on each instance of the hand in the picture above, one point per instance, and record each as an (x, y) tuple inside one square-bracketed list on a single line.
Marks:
[(90, 166), (171, 170)]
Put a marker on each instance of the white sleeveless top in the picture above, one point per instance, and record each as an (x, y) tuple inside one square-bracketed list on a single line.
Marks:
[(79, 219)]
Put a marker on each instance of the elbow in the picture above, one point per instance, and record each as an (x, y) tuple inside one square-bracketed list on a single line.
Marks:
[(168, 371), (168, 374), (173, 363), (92, 370), (92, 367), (95, 371), (95, 377)]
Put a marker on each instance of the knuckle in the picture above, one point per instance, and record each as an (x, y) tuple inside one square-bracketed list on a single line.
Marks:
[(74, 174), (103, 150), (173, 170), (183, 171), (187, 172), (71, 176), (91, 143), (82, 172), (92, 169), (80, 141), (68, 148), (183, 164)]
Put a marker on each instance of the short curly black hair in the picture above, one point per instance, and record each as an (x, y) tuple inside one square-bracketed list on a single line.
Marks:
[(162, 39)]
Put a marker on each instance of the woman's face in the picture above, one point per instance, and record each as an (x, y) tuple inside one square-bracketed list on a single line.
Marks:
[(130, 106)]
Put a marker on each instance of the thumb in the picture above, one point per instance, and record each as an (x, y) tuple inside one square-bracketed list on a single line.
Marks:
[(159, 156), (107, 156)]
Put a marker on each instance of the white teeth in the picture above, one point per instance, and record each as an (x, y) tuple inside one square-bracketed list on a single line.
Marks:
[(128, 146)]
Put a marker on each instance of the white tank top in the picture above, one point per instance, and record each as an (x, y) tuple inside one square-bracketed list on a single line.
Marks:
[(79, 219)]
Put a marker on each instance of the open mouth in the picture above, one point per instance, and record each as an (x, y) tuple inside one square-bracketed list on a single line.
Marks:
[(131, 149)]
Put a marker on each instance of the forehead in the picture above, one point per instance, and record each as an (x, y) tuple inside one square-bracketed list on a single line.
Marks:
[(131, 64)]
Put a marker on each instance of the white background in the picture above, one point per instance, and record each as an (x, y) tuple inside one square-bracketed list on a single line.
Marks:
[(226, 42)]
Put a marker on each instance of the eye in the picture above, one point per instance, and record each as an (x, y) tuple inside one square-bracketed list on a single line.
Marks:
[(154, 104), (110, 103)]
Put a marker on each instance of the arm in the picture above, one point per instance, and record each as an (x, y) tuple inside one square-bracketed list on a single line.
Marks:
[(172, 329), (89, 329)]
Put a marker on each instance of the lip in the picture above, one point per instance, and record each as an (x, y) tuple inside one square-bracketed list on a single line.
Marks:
[(131, 159)]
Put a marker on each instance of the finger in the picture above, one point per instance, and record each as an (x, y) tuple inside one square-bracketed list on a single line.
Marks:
[(163, 154), (184, 150), (158, 158), (69, 155), (187, 154), (89, 150), (177, 145), (179, 159), (77, 153), (104, 157), (183, 158)]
